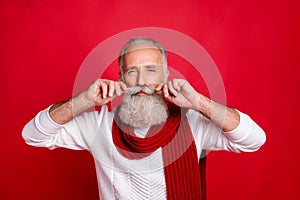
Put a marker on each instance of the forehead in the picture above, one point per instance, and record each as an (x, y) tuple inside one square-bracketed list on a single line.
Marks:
[(142, 54)]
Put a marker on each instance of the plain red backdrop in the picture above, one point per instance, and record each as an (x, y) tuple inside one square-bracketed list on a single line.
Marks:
[(254, 44)]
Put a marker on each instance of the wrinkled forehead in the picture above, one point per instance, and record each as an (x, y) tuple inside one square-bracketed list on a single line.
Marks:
[(142, 47), (141, 53)]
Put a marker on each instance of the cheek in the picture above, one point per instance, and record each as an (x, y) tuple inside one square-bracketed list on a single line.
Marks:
[(155, 79), (159, 77), (129, 81)]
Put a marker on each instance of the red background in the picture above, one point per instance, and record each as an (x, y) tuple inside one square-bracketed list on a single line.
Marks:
[(254, 44)]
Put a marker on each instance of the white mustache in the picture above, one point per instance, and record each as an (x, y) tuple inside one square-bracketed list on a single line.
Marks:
[(136, 89)]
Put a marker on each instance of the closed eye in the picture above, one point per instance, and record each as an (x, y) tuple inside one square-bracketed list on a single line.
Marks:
[(131, 70), (151, 68)]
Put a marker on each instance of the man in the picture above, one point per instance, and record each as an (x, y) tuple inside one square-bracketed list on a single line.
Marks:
[(149, 147)]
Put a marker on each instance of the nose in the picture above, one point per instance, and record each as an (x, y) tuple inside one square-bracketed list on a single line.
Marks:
[(141, 78)]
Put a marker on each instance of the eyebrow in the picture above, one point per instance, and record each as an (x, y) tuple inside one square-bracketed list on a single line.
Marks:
[(146, 66), (150, 66)]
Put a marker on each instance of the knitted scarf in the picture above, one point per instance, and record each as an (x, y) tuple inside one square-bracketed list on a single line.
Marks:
[(182, 173)]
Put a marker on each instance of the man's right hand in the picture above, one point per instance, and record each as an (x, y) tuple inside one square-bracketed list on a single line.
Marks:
[(101, 91)]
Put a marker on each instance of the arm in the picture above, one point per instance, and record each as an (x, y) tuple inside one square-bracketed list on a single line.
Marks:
[(182, 94), (100, 92), (225, 117), (246, 137), (65, 125), (239, 133)]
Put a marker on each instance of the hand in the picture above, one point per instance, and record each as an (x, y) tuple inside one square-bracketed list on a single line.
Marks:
[(181, 93), (101, 91)]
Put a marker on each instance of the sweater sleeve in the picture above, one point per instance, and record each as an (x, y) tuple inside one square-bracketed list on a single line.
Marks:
[(246, 137), (77, 134)]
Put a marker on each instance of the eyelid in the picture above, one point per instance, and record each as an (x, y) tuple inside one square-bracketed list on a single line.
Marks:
[(151, 67), (132, 69)]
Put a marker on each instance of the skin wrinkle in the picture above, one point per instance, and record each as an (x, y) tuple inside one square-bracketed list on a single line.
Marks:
[(143, 72), (138, 57)]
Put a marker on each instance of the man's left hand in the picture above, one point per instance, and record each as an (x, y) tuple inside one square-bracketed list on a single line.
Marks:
[(181, 93)]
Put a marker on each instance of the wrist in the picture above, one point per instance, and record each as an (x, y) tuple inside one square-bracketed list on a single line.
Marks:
[(203, 105), (81, 103)]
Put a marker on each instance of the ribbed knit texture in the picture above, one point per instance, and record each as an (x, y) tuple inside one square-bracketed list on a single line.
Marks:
[(182, 173)]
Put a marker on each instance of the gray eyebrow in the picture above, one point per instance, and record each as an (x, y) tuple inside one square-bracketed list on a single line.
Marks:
[(132, 67), (150, 66)]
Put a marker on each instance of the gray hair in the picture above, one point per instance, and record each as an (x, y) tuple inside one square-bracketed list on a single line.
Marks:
[(143, 40)]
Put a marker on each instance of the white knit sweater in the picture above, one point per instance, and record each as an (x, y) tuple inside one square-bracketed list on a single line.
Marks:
[(119, 177)]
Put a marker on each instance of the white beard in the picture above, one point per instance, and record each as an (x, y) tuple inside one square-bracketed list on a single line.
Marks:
[(142, 111)]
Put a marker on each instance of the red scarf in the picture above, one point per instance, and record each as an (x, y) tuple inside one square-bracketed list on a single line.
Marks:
[(182, 172)]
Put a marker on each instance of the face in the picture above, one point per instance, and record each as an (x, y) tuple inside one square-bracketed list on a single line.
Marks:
[(143, 66)]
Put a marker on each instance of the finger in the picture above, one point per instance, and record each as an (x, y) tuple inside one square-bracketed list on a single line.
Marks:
[(97, 87), (104, 89), (118, 89), (111, 85), (171, 89), (98, 82), (175, 84), (166, 91), (123, 87), (159, 87)]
